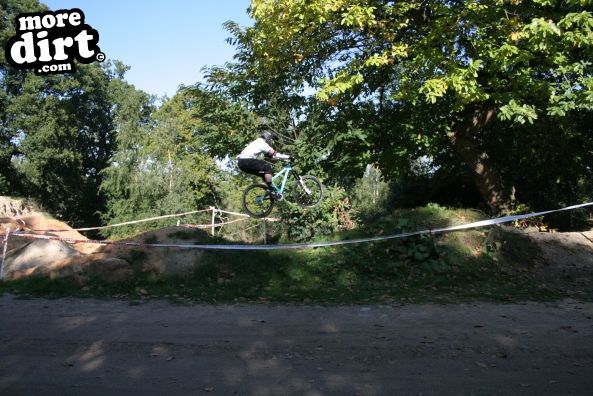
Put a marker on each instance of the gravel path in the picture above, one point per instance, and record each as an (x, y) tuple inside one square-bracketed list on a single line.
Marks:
[(91, 347)]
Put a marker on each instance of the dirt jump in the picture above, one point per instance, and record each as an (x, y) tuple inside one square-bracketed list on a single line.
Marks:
[(78, 261)]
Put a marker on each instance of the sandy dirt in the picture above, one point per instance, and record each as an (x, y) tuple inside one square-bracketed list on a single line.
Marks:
[(565, 261), (91, 347)]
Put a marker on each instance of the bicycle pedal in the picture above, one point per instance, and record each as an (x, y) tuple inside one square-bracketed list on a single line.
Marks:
[(277, 196)]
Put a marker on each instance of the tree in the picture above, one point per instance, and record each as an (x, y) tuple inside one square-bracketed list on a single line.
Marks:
[(161, 166), (10, 85), (221, 123), (57, 132), (453, 67), (125, 192), (370, 194)]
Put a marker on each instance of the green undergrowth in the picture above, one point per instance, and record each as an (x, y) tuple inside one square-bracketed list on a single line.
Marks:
[(489, 264)]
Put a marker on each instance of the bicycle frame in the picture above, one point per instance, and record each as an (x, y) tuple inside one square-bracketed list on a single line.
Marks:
[(286, 170), (284, 175), (264, 200)]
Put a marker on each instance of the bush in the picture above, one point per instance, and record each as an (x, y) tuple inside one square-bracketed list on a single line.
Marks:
[(370, 195), (330, 216)]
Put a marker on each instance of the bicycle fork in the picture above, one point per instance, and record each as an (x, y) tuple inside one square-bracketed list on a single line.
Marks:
[(308, 191)]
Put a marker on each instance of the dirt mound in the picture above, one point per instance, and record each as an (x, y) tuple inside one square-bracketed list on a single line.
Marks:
[(561, 253), (11, 207), (18, 214), (55, 258), (565, 261), (162, 260), (37, 223), (566, 250)]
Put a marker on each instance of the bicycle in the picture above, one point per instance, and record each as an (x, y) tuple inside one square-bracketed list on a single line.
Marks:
[(307, 192)]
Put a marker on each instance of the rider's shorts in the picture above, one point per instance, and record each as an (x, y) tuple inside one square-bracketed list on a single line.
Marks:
[(254, 166)]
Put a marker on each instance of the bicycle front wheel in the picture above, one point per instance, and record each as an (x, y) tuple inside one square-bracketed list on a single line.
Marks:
[(307, 192), (257, 201)]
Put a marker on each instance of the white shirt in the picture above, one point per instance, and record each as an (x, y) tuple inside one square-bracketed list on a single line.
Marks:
[(257, 147)]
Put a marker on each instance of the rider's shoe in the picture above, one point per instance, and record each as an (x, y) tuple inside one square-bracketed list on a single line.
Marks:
[(274, 194)]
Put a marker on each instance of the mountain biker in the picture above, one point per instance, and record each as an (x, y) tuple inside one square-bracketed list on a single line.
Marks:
[(249, 163)]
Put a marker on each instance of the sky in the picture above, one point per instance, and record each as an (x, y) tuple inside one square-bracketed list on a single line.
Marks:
[(166, 43)]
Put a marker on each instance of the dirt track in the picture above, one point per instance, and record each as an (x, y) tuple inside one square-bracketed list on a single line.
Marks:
[(90, 347)]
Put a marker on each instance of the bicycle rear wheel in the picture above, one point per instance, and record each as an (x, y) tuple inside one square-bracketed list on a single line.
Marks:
[(307, 192), (257, 201)]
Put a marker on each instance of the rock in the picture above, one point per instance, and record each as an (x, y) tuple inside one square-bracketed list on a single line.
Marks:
[(172, 261), (39, 253), (57, 259)]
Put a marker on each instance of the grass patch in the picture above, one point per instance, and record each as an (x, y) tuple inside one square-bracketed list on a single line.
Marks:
[(491, 264), (41, 287)]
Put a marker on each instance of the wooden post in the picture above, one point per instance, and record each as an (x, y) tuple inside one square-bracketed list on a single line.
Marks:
[(7, 233), (213, 215)]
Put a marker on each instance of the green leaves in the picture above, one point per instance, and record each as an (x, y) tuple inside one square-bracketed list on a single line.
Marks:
[(330, 216), (370, 195), (462, 81), (358, 16), (343, 82), (434, 89), (578, 29), (519, 113), (378, 60)]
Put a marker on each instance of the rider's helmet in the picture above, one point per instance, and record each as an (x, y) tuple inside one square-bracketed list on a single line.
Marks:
[(267, 136)]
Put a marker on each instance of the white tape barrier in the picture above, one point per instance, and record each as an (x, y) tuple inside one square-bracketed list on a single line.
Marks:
[(130, 222), (232, 213), (246, 215), (215, 225), (243, 215), (476, 224), (272, 219)]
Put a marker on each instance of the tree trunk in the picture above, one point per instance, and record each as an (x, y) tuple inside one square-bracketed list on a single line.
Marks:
[(487, 179)]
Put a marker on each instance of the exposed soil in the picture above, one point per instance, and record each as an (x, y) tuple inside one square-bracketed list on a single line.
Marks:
[(566, 260), (29, 256)]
